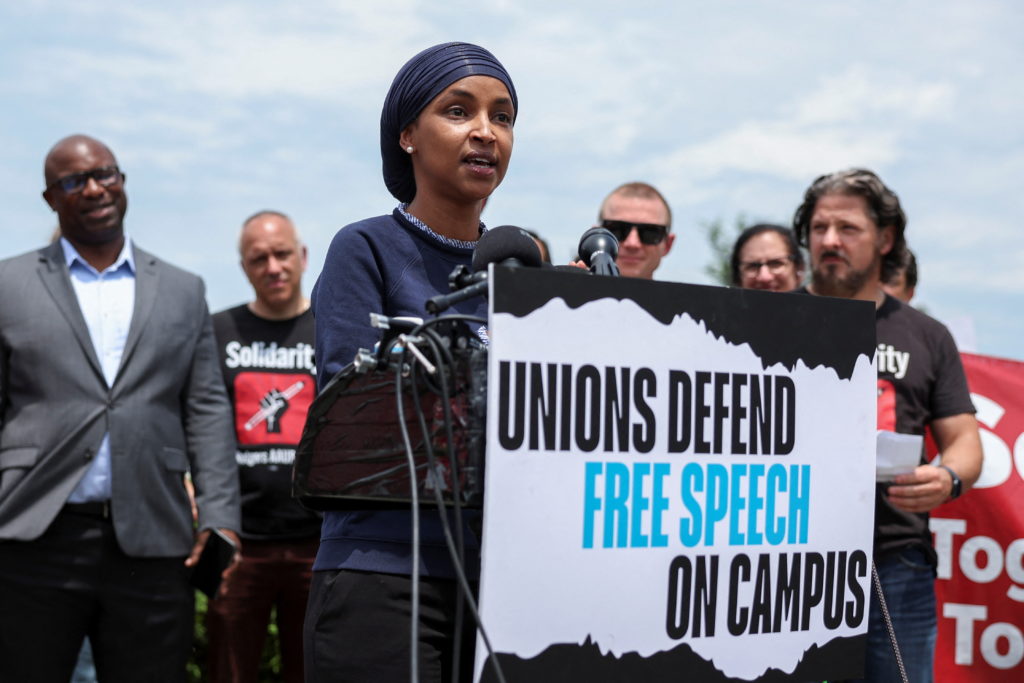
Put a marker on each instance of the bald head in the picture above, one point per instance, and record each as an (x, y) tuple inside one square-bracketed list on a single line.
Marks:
[(251, 224), (68, 149), (274, 260), (85, 188)]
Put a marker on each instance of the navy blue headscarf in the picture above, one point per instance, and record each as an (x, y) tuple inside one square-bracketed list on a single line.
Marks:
[(422, 79)]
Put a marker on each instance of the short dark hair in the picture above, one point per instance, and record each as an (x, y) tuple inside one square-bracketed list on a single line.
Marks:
[(909, 268), (795, 255), (883, 208), (542, 244), (637, 189)]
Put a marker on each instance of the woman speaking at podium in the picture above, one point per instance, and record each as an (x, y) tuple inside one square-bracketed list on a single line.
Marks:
[(445, 140)]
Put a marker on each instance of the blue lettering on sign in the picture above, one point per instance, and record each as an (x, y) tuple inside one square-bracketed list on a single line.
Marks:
[(659, 504), (616, 492), (751, 504), (591, 502), (614, 497), (689, 527), (747, 498)]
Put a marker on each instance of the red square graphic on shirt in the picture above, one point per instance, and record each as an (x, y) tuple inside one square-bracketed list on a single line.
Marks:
[(271, 407), (886, 405)]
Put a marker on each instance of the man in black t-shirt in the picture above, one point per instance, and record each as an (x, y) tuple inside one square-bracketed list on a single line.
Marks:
[(853, 226), (266, 355)]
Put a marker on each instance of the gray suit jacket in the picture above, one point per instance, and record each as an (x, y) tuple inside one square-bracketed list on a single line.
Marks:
[(167, 411)]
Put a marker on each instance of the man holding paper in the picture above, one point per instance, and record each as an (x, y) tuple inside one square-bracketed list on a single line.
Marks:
[(853, 226)]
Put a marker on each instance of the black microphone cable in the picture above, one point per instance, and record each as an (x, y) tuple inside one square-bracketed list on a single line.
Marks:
[(887, 618), (436, 347), (455, 548), (414, 618)]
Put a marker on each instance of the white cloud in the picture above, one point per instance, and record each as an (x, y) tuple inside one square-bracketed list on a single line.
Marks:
[(857, 118), (989, 273), (321, 51), (217, 109), (959, 230), (783, 149), (860, 94)]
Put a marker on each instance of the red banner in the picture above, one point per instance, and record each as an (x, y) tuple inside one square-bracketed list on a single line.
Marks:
[(980, 540)]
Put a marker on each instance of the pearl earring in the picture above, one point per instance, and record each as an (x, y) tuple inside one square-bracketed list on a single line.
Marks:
[(410, 149)]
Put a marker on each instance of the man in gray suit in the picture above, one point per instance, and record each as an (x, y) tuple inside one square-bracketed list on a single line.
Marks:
[(110, 392)]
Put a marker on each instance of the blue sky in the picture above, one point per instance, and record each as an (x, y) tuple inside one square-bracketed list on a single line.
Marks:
[(216, 110)]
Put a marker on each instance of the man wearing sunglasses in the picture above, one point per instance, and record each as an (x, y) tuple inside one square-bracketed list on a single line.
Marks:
[(110, 392), (641, 221)]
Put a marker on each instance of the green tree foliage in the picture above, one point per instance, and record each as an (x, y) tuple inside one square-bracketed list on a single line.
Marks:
[(270, 664), (196, 667), (721, 239)]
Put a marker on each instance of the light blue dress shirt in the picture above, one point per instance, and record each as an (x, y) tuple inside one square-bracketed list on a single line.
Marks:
[(106, 300)]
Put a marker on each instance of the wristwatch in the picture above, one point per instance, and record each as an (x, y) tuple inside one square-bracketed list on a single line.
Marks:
[(957, 484)]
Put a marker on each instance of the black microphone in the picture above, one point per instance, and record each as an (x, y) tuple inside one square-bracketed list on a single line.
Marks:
[(598, 249), (506, 244)]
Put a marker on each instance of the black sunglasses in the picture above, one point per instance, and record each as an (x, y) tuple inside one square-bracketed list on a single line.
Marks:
[(76, 182), (649, 233)]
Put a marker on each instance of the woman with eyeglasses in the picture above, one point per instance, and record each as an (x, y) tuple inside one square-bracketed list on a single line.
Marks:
[(767, 257), (445, 140)]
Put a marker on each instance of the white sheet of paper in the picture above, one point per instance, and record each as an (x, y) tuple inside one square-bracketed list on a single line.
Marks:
[(896, 454)]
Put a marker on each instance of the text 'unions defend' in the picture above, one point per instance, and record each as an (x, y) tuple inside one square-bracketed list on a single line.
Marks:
[(561, 407)]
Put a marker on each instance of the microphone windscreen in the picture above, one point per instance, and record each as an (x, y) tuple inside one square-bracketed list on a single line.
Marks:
[(595, 240), (505, 242)]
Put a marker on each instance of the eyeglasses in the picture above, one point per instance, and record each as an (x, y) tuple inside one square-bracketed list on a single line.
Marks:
[(775, 266), (76, 182), (649, 233)]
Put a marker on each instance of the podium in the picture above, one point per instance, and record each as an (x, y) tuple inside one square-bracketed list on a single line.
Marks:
[(679, 479), (352, 453)]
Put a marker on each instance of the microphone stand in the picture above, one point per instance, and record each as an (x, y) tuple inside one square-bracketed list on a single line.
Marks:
[(466, 287)]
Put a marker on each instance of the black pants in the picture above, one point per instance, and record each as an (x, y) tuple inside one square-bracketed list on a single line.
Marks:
[(357, 629), (74, 581)]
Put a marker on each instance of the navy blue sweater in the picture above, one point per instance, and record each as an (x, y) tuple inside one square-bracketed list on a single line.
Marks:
[(382, 265)]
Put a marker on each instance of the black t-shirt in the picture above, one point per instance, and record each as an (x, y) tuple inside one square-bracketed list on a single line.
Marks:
[(920, 379), (271, 380)]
